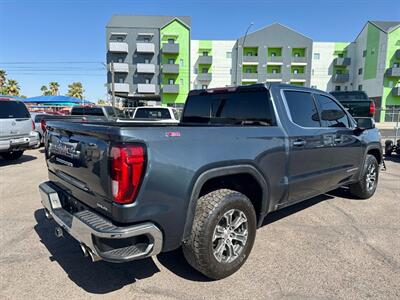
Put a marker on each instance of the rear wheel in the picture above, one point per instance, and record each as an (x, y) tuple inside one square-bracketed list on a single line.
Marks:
[(366, 187), (12, 155), (222, 235)]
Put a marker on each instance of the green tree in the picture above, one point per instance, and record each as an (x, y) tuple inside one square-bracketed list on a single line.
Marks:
[(54, 88), (3, 77), (45, 91), (12, 87), (76, 90)]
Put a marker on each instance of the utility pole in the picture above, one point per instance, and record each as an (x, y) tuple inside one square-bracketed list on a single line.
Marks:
[(112, 84), (237, 56)]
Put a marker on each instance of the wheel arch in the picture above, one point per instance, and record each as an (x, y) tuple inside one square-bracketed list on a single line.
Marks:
[(221, 172)]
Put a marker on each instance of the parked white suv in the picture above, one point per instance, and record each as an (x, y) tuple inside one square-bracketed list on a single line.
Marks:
[(154, 114), (16, 129)]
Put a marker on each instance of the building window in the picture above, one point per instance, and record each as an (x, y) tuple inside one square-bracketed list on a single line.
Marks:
[(120, 39), (146, 40), (338, 71), (248, 70), (171, 41), (147, 81), (296, 54), (120, 59), (196, 71), (316, 56), (120, 80), (204, 70), (360, 71), (146, 61), (171, 81), (181, 62), (295, 71), (249, 54), (228, 54), (360, 87), (364, 53), (337, 88), (274, 71), (171, 61), (340, 55), (391, 84), (205, 53), (395, 65), (204, 86), (273, 54)]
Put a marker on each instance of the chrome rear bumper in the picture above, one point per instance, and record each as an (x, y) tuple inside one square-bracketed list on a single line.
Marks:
[(98, 236)]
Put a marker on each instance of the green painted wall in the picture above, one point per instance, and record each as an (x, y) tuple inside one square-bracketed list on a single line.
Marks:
[(300, 51), (252, 50), (271, 68), (277, 51), (252, 68), (181, 33), (205, 45), (393, 44), (341, 48), (371, 59), (300, 69)]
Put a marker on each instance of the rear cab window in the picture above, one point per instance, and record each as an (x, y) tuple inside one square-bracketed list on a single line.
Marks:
[(152, 113), (87, 111), (13, 110), (238, 107)]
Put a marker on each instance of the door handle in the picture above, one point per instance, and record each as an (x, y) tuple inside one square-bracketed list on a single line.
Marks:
[(299, 143), (337, 140)]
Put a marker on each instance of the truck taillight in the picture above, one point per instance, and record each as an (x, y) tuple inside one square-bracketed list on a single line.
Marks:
[(372, 108), (127, 169), (43, 125)]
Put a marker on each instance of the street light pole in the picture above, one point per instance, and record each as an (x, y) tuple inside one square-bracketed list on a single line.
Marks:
[(244, 40)]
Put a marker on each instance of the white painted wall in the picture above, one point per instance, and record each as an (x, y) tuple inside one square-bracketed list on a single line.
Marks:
[(221, 65), (321, 69)]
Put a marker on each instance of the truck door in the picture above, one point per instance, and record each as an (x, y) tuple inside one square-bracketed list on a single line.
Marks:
[(346, 152), (309, 147)]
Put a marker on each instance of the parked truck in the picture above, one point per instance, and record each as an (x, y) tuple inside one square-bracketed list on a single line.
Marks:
[(126, 191)]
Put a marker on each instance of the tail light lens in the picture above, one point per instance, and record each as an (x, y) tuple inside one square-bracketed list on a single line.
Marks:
[(43, 125), (127, 169), (33, 125), (372, 108)]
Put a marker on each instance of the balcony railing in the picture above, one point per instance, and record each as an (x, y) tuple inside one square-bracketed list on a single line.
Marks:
[(121, 67), (119, 47), (146, 68), (274, 76), (253, 76), (250, 59), (120, 87), (170, 48), (170, 69), (342, 61), (393, 72), (146, 88), (396, 92), (274, 59), (171, 89), (298, 76), (204, 76), (145, 48), (205, 60), (299, 59), (340, 78)]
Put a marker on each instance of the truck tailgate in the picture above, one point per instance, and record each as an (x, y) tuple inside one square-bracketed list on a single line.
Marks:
[(77, 159)]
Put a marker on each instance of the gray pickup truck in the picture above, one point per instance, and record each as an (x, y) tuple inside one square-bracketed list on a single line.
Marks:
[(127, 191)]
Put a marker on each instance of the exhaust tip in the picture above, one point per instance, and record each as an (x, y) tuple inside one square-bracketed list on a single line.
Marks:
[(47, 214), (84, 250), (59, 232)]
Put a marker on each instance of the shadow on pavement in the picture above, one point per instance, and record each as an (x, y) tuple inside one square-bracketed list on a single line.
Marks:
[(394, 158), (24, 158), (98, 278)]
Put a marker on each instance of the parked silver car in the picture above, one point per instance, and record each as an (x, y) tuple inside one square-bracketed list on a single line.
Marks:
[(17, 130), (37, 119)]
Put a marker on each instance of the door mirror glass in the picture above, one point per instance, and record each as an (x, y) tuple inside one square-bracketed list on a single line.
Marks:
[(365, 123)]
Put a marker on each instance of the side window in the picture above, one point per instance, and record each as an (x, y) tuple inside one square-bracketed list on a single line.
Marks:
[(302, 108), (332, 115)]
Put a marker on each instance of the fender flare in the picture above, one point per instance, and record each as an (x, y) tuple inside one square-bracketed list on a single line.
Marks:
[(223, 171)]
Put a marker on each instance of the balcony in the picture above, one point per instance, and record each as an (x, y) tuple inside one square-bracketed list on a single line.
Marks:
[(393, 72), (342, 61), (274, 76), (250, 76), (118, 47), (299, 59), (120, 67), (204, 60), (146, 68), (204, 77), (171, 89), (120, 87), (274, 59), (340, 78), (146, 88), (299, 76), (250, 59), (396, 91), (145, 48), (170, 48), (170, 69)]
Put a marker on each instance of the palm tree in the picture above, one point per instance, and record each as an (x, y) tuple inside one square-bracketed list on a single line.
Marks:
[(44, 90), (3, 76), (76, 90), (54, 87), (12, 87)]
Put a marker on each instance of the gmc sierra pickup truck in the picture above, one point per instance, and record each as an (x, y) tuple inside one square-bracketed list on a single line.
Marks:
[(127, 191)]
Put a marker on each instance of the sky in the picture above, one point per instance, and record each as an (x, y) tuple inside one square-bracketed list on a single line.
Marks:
[(64, 40)]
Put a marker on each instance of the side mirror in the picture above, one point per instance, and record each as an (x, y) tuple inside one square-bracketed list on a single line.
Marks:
[(365, 124)]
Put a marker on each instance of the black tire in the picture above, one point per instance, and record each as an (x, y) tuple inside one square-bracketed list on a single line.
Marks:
[(211, 211), (363, 189), (12, 155)]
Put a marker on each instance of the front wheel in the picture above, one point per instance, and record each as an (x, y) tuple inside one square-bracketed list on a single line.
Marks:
[(222, 235), (12, 155), (366, 187)]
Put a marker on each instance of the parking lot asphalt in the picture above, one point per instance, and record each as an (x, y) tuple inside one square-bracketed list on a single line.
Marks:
[(331, 247)]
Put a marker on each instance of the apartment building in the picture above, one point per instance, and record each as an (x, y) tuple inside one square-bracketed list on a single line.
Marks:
[(150, 58), (211, 63), (274, 53)]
